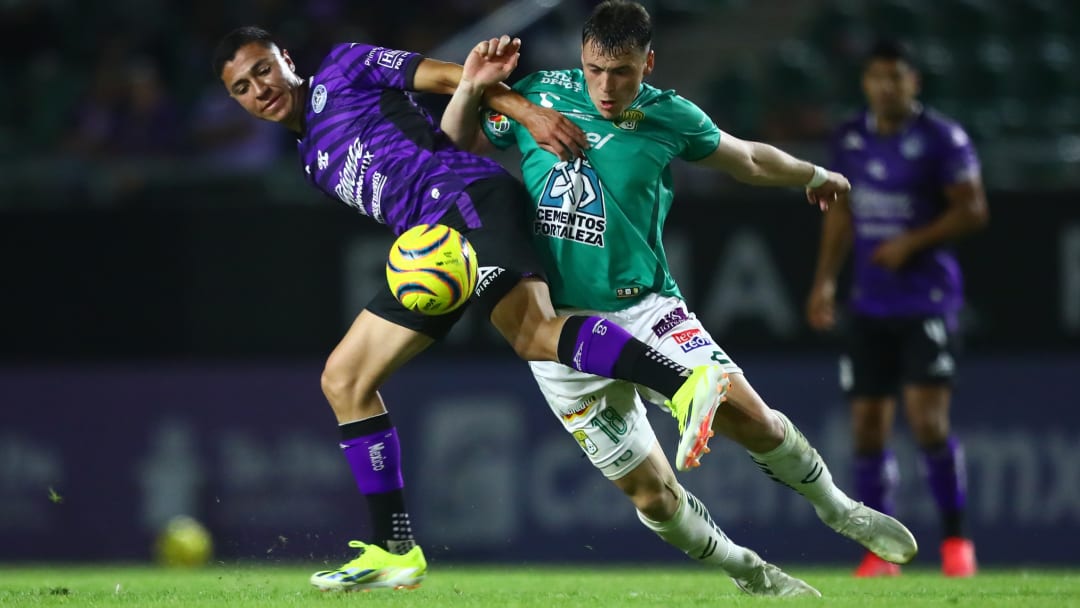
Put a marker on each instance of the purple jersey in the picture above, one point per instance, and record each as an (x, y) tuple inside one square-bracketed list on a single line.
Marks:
[(898, 183), (365, 142)]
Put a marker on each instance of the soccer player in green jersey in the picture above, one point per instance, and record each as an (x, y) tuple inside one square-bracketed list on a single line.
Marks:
[(597, 223)]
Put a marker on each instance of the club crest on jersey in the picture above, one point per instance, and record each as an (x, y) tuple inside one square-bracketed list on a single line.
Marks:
[(912, 147), (498, 123), (318, 98), (572, 204), (629, 119)]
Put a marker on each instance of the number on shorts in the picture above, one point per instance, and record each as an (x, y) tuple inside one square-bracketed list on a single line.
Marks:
[(615, 426)]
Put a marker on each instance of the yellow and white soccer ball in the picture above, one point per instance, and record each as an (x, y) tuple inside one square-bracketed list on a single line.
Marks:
[(431, 269), (183, 542)]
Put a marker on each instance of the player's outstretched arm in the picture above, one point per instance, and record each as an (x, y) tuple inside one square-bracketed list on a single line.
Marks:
[(488, 64), (760, 164), (836, 237)]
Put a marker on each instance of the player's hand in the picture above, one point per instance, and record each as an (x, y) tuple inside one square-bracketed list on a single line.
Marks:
[(491, 61), (556, 133), (893, 253), (821, 306), (835, 186)]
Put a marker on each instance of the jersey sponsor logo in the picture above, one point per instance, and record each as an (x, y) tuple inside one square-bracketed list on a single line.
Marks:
[(375, 455), (318, 99), (670, 321), (629, 119), (627, 292), (322, 159), (559, 79), (690, 339), (596, 140), (350, 188), (869, 203), (487, 274), (498, 123), (391, 59), (378, 182), (572, 204), (582, 410)]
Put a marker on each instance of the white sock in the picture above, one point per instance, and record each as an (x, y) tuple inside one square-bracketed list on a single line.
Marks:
[(796, 464), (692, 531)]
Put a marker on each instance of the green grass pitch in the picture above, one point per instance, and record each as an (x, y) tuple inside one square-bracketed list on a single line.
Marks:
[(251, 585)]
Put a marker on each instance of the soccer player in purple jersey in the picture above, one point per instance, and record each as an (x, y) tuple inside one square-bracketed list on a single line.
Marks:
[(363, 141), (916, 187)]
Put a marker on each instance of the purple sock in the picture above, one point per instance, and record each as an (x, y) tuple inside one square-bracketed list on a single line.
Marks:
[(946, 475), (595, 345), (374, 454), (877, 478), (375, 461)]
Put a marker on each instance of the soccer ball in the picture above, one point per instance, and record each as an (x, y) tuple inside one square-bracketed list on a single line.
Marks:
[(183, 542), (431, 269)]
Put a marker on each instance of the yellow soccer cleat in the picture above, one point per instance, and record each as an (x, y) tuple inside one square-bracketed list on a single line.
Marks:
[(694, 406), (374, 568)]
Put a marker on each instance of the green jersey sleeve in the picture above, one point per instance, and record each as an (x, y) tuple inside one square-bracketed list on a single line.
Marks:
[(699, 132)]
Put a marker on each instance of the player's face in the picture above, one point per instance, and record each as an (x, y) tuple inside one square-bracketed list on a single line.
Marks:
[(890, 87), (263, 80), (614, 82)]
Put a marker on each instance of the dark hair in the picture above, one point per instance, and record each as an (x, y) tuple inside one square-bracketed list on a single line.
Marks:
[(618, 26), (237, 39), (889, 50)]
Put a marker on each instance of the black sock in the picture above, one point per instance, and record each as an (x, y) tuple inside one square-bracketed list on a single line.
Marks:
[(644, 365), (952, 524)]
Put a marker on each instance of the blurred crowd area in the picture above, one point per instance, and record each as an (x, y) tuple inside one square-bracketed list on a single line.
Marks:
[(1006, 68), (130, 80)]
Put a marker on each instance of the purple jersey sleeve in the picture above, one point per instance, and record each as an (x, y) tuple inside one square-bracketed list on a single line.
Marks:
[(959, 163), (376, 67)]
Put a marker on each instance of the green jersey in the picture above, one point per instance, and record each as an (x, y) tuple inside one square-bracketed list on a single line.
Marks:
[(597, 222)]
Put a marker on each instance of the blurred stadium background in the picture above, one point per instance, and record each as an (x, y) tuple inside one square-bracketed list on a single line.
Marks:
[(171, 286)]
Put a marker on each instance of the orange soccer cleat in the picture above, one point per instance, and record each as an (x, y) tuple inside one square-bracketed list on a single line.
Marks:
[(958, 557), (873, 566)]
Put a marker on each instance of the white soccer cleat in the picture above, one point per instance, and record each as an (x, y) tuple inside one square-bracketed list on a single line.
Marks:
[(882, 535), (770, 581)]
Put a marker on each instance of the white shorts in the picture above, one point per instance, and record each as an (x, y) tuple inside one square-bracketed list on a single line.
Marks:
[(607, 417)]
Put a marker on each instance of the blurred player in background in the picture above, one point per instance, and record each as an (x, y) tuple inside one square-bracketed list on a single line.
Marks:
[(597, 222), (916, 187), (363, 140)]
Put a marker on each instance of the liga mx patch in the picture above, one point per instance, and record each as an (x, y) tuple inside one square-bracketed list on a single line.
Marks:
[(498, 123), (670, 321), (690, 339)]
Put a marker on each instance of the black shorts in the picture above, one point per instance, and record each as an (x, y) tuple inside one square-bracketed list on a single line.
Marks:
[(504, 254), (884, 354)]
